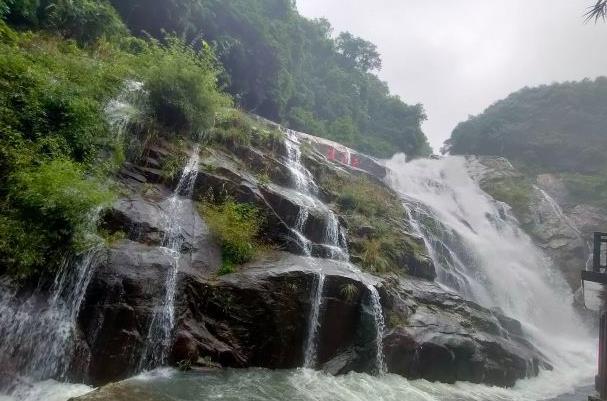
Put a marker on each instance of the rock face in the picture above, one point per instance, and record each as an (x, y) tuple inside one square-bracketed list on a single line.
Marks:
[(540, 215), (438, 336), (260, 315)]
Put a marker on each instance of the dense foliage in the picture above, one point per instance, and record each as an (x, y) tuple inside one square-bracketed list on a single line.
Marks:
[(559, 128), (236, 226), (58, 149), (290, 69)]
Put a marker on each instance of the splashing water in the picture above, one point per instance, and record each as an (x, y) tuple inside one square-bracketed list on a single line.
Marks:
[(380, 328), (38, 335), (480, 252), (314, 323), (161, 326)]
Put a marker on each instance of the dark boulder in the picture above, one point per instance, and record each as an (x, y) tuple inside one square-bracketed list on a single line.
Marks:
[(438, 336)]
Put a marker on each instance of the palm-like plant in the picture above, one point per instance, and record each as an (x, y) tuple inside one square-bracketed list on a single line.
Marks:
[(597, 11)]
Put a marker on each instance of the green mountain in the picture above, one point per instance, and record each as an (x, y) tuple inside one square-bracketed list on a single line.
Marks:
[(290, 69), (559, 128)]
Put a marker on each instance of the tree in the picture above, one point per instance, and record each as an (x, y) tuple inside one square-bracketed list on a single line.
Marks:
[(361, 53), (597, 11)]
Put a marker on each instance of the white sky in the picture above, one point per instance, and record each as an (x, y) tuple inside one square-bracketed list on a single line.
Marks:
[(459, 56)]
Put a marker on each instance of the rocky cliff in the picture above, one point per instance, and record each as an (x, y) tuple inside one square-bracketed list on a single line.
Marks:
[(536, 202), (340, 268), (259, 315)]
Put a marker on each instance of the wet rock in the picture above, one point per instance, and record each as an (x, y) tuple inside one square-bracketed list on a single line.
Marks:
[(130, 390), (541, 216), (445, 338)]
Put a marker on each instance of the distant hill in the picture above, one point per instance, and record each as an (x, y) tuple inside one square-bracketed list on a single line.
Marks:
[(293, 70), (559, 128)]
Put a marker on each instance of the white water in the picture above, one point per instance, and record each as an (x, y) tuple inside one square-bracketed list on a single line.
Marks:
[(380, 328), (303, 181), (335, 242), (309, 385), (37, 336), (314, 323), (162, 323), (480, 252)]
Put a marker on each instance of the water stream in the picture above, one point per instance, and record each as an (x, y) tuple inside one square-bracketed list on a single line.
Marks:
[(38, 334), (161, 326), (335, 242), (481, 252)]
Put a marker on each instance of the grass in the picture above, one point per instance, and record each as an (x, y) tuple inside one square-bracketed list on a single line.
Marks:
[(237, 227), (58, 151), (516, 192)]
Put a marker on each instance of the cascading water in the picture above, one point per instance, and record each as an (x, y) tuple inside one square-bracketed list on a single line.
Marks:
[(335, 242), (380, 327), (161, 326), (480, 252), (314, 323), (38, 335)]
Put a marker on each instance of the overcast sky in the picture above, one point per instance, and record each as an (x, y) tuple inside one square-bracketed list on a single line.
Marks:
[(459, 56)]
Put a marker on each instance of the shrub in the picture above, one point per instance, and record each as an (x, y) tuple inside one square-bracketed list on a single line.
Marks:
[(182, 87), (84, 20), (516, 192), (49, 208), (374, 256), (236, 226), (365, 197), (348, 291)]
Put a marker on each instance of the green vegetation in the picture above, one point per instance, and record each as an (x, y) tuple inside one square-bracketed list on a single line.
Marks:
[(349, 291), (236, 226), (553, 128), (588, 188), (182, 88), (292, 70), (374, 216), (516, 192), (558, 129), (64, 61), (58, 151), (82, 20), (233, 127)]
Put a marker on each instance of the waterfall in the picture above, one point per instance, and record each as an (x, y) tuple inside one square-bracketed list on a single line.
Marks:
[(313, 323), (335, 241), (303, 181), (380, 327), (161, 326), (480, 251), (38, 334)]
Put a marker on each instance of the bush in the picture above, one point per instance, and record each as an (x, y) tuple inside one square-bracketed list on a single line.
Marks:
[(82, 20), (182, 87), (85, 20), (365, 197), (49, 208), (516, 192), (236, 226)]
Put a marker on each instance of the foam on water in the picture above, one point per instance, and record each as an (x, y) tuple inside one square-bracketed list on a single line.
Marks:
[(481, 252), (49, 390)]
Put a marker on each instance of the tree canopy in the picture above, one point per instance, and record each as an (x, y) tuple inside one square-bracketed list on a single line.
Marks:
[(559, 127), (290, 69)]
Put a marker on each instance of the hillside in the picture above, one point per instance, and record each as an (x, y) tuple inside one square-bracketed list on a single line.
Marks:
[(292, 70), (558, 129)]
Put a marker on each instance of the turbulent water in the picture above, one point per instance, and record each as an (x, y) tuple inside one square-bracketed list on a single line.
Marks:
[(309, 385), (37, 336), (480, 252)]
